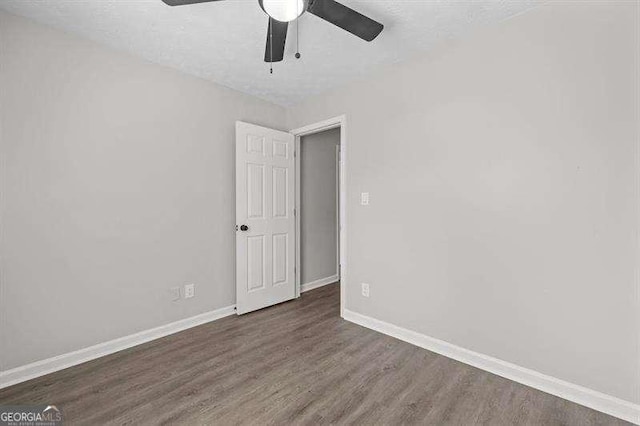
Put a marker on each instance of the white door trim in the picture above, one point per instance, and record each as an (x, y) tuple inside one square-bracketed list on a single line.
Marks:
[(331, 123)]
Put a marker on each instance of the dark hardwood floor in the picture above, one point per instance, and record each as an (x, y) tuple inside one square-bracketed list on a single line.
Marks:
[(295, 363)]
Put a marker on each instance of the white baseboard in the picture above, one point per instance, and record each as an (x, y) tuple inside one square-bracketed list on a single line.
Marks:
[(589, 398), (318, 283), (50, 365)]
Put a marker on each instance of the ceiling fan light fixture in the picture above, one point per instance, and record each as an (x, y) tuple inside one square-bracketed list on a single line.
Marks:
[(284, 10)]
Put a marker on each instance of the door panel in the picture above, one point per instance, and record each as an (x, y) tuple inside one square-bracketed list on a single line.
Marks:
[(265, 250), (256, 270), (280, 258), (280, 192), (255, 190)]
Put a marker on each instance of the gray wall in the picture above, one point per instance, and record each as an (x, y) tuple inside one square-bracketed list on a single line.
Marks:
[(318, 205), (117, 183), (503, 172)]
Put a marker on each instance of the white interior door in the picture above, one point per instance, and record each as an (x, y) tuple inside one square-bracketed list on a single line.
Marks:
[(265, 222)]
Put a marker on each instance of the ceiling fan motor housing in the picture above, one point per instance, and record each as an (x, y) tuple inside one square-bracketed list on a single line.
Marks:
[(284, 10)]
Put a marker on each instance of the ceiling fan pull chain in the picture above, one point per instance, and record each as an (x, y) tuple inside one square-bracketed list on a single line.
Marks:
[(270, 47), (298, 34)]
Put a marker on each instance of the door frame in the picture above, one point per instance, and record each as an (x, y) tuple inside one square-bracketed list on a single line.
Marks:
[(331, 123)]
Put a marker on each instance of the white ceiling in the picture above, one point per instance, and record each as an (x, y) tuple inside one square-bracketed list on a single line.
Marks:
[(224, 41)]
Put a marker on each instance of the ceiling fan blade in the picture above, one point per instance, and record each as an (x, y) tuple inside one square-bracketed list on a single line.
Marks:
[(185, 2), (346, 18), (276, 32)]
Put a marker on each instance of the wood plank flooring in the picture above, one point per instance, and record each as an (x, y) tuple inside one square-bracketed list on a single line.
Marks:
[(295, 363)]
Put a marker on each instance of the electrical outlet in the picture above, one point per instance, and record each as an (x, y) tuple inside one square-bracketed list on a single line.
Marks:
[(175, 293), (189, 291), (365, 289), (364, 198)]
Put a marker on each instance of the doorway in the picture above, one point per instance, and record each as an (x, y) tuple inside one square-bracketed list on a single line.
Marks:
[(268, 199), (320, 203), (318, 213)]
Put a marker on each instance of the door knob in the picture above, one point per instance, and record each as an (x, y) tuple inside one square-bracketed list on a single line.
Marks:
[(244, 228)]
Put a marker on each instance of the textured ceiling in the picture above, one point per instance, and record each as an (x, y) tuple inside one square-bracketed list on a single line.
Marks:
[(224, 41)]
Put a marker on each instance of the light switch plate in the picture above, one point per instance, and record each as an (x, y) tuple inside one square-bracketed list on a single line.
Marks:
[(364, 198), (365, 289), (189, 291)]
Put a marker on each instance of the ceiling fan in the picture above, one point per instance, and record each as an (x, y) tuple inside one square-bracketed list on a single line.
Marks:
[(281, 12)]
